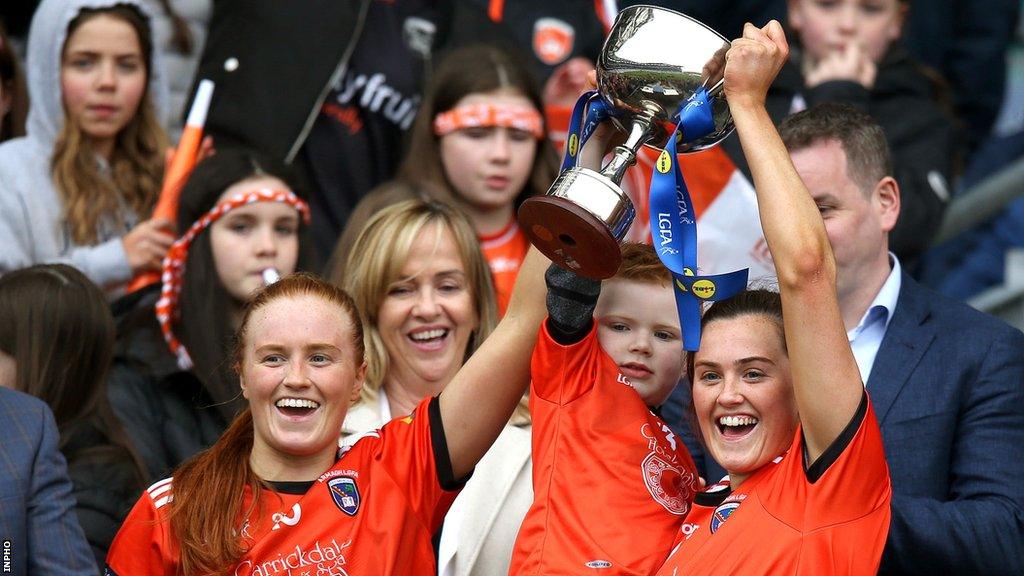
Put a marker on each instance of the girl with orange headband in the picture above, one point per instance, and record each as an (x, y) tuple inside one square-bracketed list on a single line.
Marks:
[(242, 225), (479, 142)]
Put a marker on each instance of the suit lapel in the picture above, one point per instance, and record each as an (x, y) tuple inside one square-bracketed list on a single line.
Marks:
[(906, 339)]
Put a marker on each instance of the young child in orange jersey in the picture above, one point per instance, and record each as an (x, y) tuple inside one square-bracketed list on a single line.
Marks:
[(601, 365)]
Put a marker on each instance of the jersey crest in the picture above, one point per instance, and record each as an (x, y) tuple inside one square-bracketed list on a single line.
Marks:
[(669, 485), (345, 494), (722, 514)]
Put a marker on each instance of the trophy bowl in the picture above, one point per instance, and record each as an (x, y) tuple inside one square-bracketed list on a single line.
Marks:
[(652, 62)]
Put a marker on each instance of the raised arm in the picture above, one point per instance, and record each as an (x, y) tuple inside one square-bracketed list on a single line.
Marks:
[(825, 377), (478, 401)]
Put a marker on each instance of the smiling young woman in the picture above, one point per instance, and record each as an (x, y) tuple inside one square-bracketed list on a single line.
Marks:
[(276, 491), (776, 390)]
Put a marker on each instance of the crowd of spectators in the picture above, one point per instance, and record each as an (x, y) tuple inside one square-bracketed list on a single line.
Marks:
[(356, 216)]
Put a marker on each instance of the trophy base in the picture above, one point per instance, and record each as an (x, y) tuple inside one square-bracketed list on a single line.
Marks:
[(570, 236)]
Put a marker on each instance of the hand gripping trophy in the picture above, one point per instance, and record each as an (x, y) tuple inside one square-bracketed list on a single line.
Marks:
[(659, 77)]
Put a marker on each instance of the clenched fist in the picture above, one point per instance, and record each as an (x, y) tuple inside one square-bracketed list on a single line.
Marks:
[(752, 63)]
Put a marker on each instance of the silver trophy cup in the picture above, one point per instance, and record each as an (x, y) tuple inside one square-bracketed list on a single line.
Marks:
[(652, 62)]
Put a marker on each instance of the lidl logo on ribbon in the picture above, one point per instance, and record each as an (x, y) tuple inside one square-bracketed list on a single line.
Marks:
[(703, 289), (670, 199), (345, 494), (574, 142), (664, 162)]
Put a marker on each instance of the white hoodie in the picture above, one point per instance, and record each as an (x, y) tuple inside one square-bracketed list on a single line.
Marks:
[(32, 225)]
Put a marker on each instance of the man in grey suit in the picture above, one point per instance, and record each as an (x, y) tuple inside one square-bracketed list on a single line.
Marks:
[(946, 381), (39, 532)]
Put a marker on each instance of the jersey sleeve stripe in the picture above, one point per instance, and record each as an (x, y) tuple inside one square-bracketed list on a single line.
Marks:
[(154, 494), (159, 503), (158, 485)]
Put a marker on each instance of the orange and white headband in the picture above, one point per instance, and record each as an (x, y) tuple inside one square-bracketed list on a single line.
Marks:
[(489, 115), (174, 262)]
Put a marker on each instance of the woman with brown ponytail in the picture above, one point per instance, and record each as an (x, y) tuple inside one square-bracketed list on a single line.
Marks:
[(78, 186), (275, 495)]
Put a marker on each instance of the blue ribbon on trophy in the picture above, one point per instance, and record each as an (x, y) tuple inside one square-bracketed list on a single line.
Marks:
[(581, 127), (674, 226)]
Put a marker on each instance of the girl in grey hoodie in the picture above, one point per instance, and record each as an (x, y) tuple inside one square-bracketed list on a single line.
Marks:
[(76, 187)]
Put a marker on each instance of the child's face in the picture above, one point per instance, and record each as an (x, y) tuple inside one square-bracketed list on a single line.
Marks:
[(103, 77), (637, 325), (252, 238), (742, 393), (489, 166), (828, 26)]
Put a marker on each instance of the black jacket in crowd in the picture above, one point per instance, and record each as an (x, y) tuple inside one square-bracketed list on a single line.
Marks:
[(279, 70), (166, 412), (921, 134), (106, 485)]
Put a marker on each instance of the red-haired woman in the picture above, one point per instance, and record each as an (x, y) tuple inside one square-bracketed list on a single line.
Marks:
[(276, 494)]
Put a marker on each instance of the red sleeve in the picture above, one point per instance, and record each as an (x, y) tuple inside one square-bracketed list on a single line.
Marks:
[(853, 484), (143, 544), (414, 452), (561, 374)]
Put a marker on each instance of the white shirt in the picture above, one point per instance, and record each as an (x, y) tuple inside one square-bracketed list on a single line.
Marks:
[(866, 337)]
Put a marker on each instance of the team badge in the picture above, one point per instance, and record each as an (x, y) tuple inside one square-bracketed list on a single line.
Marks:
[(667, 484), (553, 40), (345, 494), (722, 514)]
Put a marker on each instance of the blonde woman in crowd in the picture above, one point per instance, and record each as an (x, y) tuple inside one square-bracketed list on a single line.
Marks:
[(424, 290)]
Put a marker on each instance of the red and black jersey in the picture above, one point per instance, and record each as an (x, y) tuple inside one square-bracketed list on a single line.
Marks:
[(611, 482), (373, 512), (829, 518)]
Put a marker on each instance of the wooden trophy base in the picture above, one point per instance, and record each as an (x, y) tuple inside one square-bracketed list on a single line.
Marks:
[(570, 236)]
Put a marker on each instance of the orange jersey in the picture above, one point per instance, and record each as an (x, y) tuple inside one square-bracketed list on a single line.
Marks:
[(611, 483), (779, 522), (505, 252), (373, 512)]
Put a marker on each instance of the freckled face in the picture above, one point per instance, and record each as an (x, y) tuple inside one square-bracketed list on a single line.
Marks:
[(743, 394), (300, 373)]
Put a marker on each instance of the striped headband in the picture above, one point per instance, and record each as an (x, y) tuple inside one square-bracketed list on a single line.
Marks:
[(488, 115), (174, 262)]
